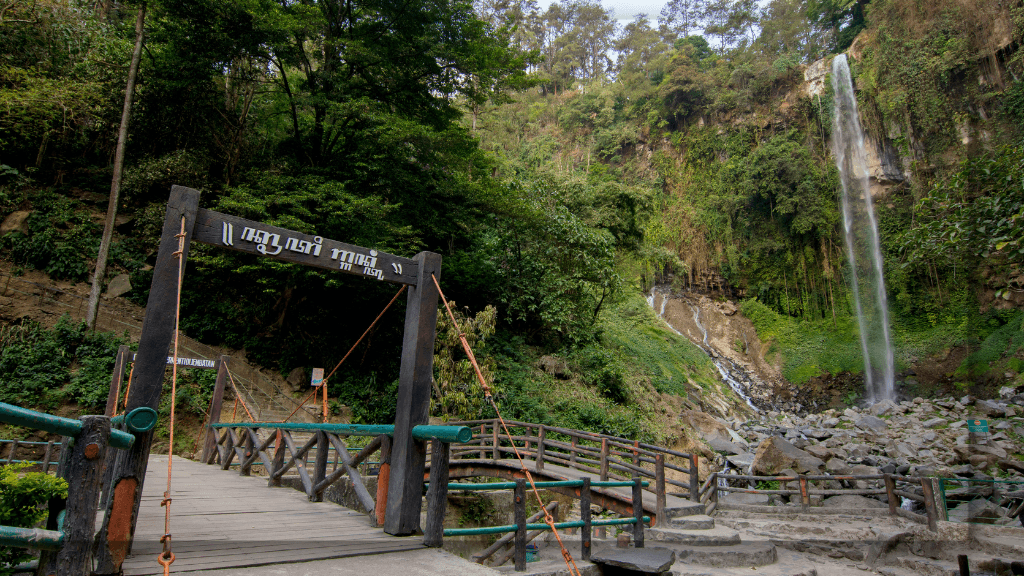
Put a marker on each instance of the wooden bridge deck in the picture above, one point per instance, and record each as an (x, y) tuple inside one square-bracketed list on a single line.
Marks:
[(222, 520)]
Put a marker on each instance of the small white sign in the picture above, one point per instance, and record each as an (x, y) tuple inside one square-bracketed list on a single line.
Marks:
[(318, 376)]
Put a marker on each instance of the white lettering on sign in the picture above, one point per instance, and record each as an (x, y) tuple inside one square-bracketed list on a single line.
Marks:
[(193, 362), (269, 244), (227, 230)]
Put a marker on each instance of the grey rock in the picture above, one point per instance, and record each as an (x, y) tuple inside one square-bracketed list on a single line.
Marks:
[(837, 466), (933, 422), (990, 409), (743, 498), (656, 560), (120, 285), (741, 461), (882, 408), (775, 454), (871, 423), (719, 445)]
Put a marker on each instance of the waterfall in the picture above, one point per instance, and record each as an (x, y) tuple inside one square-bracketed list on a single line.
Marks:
[(862, 245)]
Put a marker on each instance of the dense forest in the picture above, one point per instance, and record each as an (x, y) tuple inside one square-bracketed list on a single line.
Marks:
[(561, 164)]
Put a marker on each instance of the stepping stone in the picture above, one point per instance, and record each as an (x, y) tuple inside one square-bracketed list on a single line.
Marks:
[(710, 537), (745, 554), (685, 510), (695, 522), (642, 560)]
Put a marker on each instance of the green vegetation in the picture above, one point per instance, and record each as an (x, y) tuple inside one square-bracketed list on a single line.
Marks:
[(556, 189), (23, 498)]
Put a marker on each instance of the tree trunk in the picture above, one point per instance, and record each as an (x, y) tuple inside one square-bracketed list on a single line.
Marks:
[(115, 182)]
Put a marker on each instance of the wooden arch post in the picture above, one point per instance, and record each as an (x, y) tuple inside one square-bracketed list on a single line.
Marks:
[(207, 226)]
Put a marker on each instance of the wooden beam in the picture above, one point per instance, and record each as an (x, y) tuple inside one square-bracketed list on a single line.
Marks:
[(148, 376), (216, 407), (405, 486), (234, 233)]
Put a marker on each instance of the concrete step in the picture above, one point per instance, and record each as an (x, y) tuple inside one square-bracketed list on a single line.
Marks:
[(928, 567), (695, 522), (691, 509), (707, 537), (748, 554)]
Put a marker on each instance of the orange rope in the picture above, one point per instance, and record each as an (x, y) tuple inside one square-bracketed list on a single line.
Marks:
[(238, 397), (548, 519), (127, 389), (117, 394), (304, 400), (372, 324), (234, 410), (166, 558)]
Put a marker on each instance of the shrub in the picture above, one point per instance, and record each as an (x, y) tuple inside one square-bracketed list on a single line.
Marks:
[(22, 496)]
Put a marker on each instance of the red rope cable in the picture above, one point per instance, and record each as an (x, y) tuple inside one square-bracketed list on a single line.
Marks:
[(548, 519)]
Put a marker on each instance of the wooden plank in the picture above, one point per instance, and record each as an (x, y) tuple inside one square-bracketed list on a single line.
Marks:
[(234, 233), (519, 504), (216, 406), (405, 486), (147, 380)]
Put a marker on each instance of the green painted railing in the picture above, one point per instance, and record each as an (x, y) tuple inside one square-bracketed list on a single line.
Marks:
[(11, 414), (31, 538), (450, 434), (559, 525), (546, 484)]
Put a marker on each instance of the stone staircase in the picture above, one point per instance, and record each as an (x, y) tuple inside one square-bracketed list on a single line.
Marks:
[(699, 542)]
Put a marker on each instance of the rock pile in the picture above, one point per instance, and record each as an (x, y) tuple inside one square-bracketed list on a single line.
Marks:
[(915, 438)]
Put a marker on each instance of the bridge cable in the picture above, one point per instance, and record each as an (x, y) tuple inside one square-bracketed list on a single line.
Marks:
[(166, 558), (548, 519)]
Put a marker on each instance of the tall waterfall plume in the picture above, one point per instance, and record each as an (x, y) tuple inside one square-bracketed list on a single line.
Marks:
[(862, 245)]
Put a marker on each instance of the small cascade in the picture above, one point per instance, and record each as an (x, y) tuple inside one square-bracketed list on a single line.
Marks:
[(861, 235), (733, 375)]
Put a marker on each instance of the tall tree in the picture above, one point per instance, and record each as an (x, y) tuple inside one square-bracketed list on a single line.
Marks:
[(115, 182), (681, 17)]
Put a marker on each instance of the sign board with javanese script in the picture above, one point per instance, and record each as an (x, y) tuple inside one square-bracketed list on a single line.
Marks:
[(280, 243)]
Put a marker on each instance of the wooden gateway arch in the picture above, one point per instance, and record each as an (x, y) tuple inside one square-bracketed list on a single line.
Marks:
[(405, 485)]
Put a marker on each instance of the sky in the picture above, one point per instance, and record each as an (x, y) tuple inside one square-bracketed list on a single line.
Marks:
[(626, 9)]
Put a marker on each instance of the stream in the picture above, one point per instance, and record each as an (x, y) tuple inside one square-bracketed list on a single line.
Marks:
[(737, 377)]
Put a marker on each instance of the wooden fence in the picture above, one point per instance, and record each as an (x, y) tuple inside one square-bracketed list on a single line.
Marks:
[(892, 485), (608, 457)]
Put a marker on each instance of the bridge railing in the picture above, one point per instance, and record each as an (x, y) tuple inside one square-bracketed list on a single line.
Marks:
[(70, 527), (49, 457), (608, 457), (272, 445), (892, 485), (522, 523)]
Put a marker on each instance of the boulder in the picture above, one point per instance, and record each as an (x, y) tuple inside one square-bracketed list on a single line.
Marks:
[(707, 426), (15, 222), (719, 445), (743, 498), (119, 286), (993, 450), (555, 366), (775, 454), (819, 451), (990, 408), (742, 461), (642, 560), (297, 379), (851, 501), (882, 408), (871, 423), (933, 422)]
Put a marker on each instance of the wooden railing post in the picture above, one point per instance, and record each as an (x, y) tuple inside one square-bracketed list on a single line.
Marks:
[(636, 452), (495, 454), (47, 456), (84, 472), (383, 477), (572, 454), (659, 490), (890, 493), (929, 504), (938, 488), (540, 448), (483, 441), (216, 407), (278, 462), (248, 447), (323, 448), (694, 479), (604, 459), (437, 494), (805, 498), (585, 533), (14, 449), (519, 502), (638, 512)]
